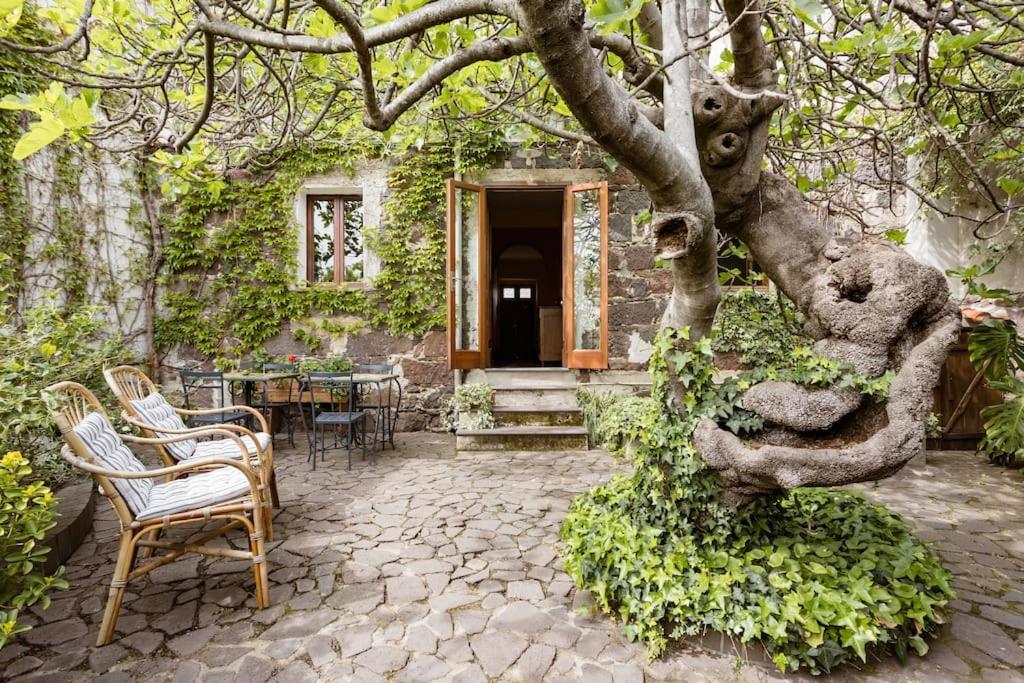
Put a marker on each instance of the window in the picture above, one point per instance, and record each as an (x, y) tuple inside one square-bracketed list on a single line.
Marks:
[(508, 292), (525, 292), (334, 239)]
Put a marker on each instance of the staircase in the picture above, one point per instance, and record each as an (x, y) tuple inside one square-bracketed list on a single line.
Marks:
[(534, 410)]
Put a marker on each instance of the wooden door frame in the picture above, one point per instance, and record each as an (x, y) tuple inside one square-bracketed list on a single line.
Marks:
[(480, 358), (592, 359)]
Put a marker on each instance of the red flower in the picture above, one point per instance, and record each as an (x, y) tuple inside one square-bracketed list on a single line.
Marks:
[(292, 358)]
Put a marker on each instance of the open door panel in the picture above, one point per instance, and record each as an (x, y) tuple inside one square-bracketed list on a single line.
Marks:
[(468, 299), (585, 278)]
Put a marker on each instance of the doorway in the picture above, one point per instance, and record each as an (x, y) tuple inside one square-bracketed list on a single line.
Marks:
[(526, 272), (527, 275)]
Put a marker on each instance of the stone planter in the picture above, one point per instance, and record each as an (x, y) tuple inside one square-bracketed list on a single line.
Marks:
[(75, 514)]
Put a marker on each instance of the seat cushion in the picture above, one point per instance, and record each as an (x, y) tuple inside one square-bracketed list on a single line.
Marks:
[(108, 451), (196, 492), (227, 448), (155, 411)]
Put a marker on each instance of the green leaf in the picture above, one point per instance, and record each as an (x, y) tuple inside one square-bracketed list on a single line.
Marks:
[(10, 14), (40, 134)]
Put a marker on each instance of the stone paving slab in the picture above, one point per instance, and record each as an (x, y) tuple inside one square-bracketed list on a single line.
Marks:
[(434, 566)]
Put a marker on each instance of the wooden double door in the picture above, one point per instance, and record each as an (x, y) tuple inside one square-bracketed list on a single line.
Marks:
[(584, 276)]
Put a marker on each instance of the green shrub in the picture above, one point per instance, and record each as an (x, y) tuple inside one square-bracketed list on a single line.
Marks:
[(818, 577), (761, 328), (997, 349), (470, 407), (613, 420), (27, 512), (43, 345)]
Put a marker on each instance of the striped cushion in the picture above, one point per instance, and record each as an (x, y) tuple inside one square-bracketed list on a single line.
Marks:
[(107, 450), (196, 492), (155, 411), (227, 448)]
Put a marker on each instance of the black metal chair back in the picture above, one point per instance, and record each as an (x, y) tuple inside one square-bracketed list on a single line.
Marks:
[(376, 369), (333, 384), (279, 367), (195, 381)]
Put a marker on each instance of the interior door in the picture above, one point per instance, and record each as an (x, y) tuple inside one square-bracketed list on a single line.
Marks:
[(468, 299), (585, 278)]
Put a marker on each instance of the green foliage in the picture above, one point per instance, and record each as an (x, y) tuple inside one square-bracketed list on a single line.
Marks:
[(27, 512), (411, 244), (16, 75), (229, 261), (997, 343), (47, 344), (470, 407), (819, 577), (231, 250), (996, 346), (761, 330), (1003, 441), (759, 327), (328, 364), (612, 420)]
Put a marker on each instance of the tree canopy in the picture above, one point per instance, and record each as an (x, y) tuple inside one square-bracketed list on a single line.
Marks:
[(728, 114)]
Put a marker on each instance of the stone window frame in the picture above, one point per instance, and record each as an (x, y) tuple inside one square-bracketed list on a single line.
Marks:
[(339, 199), (366, 183)]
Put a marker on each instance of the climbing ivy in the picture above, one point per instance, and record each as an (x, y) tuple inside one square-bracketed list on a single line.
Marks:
[(819, 577), (231, 247), (16, 76)]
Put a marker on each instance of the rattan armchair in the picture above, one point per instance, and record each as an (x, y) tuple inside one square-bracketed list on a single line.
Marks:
[(130, 386), (190, 492)]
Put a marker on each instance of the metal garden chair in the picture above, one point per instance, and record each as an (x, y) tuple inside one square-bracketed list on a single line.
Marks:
[(326, 393), (195, 381)]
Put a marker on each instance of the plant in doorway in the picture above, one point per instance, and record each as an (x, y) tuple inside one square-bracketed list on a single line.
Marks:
[(470, 407)]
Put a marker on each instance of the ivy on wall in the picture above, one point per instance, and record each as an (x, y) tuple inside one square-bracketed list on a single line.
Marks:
[(16, 76), (230, 276)]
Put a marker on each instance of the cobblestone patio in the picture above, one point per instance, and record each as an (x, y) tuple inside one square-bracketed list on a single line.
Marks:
[(431, 566)]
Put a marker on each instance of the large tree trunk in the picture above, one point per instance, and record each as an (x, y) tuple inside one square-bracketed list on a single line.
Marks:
[(867, 303)]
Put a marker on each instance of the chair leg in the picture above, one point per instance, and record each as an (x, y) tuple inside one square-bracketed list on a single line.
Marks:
[(125, 555), (259, 565), (145, 552), (274, 498)]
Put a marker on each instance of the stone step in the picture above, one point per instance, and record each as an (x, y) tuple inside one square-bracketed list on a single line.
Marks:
[(525, 378), (522, 438), (538, 417), (561, 398)]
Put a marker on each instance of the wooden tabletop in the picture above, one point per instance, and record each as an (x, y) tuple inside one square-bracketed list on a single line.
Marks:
[(252, 376)]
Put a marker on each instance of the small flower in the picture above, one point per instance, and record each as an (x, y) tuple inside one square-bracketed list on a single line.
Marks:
[(48, 349), (292, 358), (12, 460)]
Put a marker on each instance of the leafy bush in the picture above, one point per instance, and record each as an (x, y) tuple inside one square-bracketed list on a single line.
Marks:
[(997, 349), (470, 407), (761, 328), (613, 420), (47, 344), (328, 364), (818, 577), (27, 512)]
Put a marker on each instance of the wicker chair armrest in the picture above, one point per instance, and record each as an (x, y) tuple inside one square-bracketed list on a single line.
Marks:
[(189, 466), (192, 430), (213, 411), (192, 434)]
